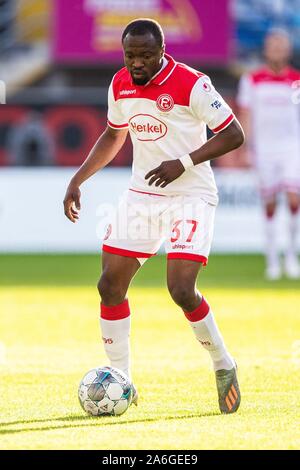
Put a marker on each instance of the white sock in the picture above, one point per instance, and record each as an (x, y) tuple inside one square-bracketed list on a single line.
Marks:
[(291, 251), (207, 333), (271, 249), (115, 327)]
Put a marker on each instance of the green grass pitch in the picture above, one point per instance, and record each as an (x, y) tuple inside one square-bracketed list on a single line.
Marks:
[(49, 337)]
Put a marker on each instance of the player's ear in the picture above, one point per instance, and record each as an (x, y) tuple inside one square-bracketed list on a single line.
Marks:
[(162, 51)]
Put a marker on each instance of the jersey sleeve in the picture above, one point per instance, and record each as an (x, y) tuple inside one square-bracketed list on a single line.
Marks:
[(244, 95), (209, 106), (115, 118)]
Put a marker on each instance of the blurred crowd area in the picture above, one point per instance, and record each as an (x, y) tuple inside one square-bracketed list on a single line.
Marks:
[(56, 108)]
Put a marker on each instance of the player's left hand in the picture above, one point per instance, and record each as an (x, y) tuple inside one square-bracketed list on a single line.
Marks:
[(165, 173)]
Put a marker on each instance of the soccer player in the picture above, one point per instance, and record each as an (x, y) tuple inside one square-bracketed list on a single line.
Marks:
[(271, 120), (165, 106)]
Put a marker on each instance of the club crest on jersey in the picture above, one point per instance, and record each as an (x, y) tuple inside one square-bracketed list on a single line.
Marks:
[(165, 103), (147, 127)]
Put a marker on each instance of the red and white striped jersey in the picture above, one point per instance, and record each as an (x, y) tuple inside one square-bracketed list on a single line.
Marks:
[(275, 114), (167, 119)]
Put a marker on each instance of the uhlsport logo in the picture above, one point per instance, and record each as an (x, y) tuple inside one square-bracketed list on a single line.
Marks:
[(147, 127), (165, 103), (127, 92)]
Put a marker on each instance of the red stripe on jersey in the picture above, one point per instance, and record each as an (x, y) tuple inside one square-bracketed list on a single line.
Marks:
[(115, 312), (128, 253), (116, 126), (265, 75), (165, 73), (224, 124), (188, 256), (144, 192), (176, 80), (199, 313)]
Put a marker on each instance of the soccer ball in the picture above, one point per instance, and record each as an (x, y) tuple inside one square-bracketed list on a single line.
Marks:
[(105, 391)]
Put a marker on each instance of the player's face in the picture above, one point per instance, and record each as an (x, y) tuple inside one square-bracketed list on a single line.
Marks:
[(142, 57), (277, 49)]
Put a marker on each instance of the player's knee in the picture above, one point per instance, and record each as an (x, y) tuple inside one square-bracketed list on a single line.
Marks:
[(183, 294), (270, 210), (294, 207), (110, 290)]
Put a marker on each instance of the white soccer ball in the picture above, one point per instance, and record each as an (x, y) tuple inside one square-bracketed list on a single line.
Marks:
[(105, 391)]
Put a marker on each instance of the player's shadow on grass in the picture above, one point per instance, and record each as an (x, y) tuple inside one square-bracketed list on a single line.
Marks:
[(90, 421)]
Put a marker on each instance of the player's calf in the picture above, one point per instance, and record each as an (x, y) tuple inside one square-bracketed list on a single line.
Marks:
[(184, 295)]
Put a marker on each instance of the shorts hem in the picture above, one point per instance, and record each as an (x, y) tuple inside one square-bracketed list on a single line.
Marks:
[(189, 256), (145, 192), (278, 188), (128, 253)]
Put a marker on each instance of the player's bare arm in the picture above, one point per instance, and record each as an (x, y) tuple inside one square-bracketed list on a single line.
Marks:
[(227, 140), (103, 152)]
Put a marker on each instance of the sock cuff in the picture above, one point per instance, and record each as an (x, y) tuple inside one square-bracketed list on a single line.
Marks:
[(199, 313), (115, 312)]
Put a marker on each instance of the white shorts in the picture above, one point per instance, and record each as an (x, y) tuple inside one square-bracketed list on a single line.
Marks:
[(278, 172), (142, 222)]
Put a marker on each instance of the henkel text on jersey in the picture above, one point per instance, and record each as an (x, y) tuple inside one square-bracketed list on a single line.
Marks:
[(147, 127)]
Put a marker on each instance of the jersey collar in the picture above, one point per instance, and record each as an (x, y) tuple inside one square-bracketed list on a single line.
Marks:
[(164, 74), (283, 72)]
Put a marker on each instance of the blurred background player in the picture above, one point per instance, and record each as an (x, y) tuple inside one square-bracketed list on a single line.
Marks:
[(271, 121)]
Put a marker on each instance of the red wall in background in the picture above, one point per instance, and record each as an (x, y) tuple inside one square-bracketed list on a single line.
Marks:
[(69, 132), (72, 132)]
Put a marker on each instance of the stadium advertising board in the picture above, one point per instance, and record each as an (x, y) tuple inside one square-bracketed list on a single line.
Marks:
[(90, 30), (239, 221), (53, 135)]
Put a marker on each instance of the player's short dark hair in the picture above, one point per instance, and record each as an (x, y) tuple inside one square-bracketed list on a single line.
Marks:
[(144, 26)]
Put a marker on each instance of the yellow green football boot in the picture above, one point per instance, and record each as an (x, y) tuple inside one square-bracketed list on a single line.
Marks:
[(228, 390)]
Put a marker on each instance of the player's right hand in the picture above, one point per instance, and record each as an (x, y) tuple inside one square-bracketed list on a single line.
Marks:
[(72, 202)]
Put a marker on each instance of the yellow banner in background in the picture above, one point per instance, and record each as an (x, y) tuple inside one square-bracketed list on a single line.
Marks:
[(90, 30), (179, 22)]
